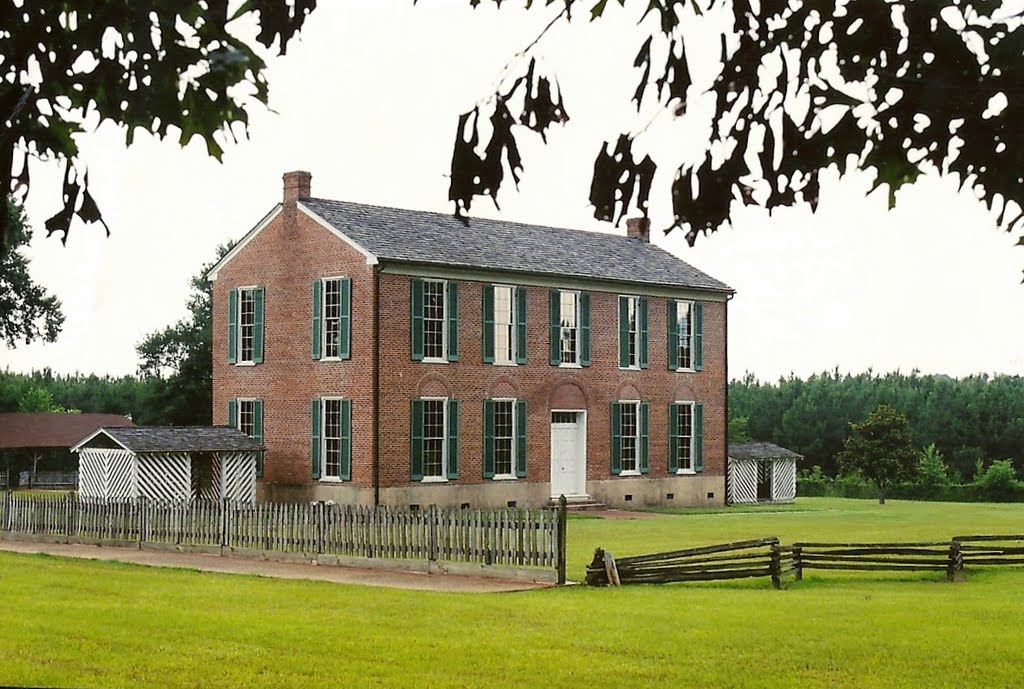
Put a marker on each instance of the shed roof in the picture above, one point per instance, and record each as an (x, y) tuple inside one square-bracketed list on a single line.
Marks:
[(39, 429), (148, 439), (759, 450), (408, 236)]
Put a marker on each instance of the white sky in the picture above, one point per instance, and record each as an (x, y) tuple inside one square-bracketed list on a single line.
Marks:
[(367, 100)]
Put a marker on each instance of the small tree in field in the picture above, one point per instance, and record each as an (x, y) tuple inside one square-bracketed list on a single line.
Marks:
[(880, 450)]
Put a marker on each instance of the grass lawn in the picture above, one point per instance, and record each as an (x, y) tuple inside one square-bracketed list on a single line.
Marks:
[(91, 624)]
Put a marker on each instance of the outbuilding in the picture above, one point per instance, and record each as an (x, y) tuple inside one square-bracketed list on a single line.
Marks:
[(168, 463), (761, 472)]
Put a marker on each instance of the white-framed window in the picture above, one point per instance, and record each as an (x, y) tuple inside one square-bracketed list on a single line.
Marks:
[(569, 321), (332, 438), (504, 324), (504, 438), (247, 325), (435, 438), (332, 318), (684, 436), (247, 416), (629, 332), (684, 325), (630, 437), (435, 320)]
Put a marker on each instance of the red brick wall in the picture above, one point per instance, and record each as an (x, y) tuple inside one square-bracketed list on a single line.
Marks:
[(471, 381), (285, 262)]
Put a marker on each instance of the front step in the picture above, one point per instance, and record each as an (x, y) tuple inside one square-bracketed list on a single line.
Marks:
[(580, 505)]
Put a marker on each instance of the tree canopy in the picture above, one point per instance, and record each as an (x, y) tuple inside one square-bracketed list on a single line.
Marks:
[(899, 87), (27, 311), (879, 449), (167, 66)]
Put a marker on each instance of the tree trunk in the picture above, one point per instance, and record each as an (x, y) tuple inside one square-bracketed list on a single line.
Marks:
[(881, 495)]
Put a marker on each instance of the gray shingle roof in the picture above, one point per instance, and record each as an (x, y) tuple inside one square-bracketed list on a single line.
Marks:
[(141, 439), (438, 238), (757, 450)]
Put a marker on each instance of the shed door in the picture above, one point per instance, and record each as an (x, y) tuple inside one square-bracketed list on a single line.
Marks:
[(764, 480)]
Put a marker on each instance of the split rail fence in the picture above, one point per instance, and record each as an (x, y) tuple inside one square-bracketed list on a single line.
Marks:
[(493, 539), (766, 557)]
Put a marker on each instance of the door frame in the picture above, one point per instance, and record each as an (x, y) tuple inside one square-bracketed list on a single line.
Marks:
[(581, 449)]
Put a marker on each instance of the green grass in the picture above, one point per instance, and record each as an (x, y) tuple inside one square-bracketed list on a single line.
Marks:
[(90, 624)]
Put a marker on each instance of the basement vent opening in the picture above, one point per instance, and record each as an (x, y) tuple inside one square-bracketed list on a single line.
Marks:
[(510, 503), (711, 496), (670, 496), (414, 508), (464, 506), (629, 498)]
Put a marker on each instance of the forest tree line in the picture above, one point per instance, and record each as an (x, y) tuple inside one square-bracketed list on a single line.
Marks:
[(972, 420)]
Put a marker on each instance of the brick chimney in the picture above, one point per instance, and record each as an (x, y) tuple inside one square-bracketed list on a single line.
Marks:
[(639, 228), (296, 186)]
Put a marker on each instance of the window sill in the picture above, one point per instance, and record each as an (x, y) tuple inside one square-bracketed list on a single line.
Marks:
[(434, 479), (685, 472), (686, 370), (331, 479), (504, 363), (245, 363), (504, 477), (569, 366), (331, 358), (435, 361), (630, 368), (629, 473)]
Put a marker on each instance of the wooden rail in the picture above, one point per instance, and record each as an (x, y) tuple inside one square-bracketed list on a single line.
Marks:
[(504, 538)]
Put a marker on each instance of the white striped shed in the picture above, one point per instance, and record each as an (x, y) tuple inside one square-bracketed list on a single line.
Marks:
[(168, 463), (761, 472)]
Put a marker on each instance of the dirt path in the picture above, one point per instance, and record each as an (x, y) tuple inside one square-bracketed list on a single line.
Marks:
[(281, 570)]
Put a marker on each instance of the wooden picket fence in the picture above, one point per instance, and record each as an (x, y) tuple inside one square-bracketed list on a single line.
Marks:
[(766, 557), (511, 538)]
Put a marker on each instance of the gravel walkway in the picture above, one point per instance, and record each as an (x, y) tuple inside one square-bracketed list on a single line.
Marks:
[(281, 570)]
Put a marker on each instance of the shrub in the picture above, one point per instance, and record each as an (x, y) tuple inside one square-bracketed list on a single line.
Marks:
[(999, 483)]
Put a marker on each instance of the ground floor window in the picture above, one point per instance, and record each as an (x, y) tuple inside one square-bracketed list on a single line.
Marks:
[(434, 445), (630, 437), (332, 438), (504, 438)]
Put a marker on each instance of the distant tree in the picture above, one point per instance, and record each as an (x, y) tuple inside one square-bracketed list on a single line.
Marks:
[(37, 399), (880, 449), (932, 469), (168, 67), (739, 429), (999, 482), (179, 358), (27, 311)]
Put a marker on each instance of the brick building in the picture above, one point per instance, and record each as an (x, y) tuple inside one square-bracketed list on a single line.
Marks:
[(408, 358)]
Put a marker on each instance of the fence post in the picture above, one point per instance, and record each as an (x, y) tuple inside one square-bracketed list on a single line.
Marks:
[(224, 526), (8, 510), (776, 566), (956, 560), (798, 563), (140, 505), (432, 533), (562, 540), (319, 512)]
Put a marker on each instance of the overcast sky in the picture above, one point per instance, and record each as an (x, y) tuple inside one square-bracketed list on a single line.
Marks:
[(367, 100)]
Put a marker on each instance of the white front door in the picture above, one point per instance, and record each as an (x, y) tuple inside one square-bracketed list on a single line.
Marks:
[(568, 454)]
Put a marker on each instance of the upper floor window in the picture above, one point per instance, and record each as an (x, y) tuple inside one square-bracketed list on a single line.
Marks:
[(569, 313), (685, 335), (685, 437), (504, 327), (435, 314), (504, 438), (633, 332), (434, 446), (246, 414), (331, 438), (630, 437), (245, 325), (332, 318)]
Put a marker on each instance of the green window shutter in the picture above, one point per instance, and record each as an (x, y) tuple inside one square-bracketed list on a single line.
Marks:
[(345, 468), (698, 336), (645, 416), (416, 318), (698, 437), (520, 325), (642, 305), (623, 332), (616, 426), (257, 433), (584, 329), (416, 440), (345, 336), (521, 438), (673, 335), (488, 324), (314, 413), (232, 326), (555, 326), (233, 413), (257, 339), (673, 438), (317, 311), (453, 439), (453, 320), (488, 438)]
